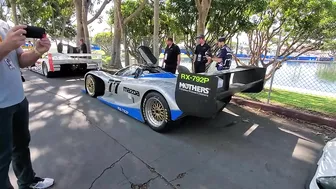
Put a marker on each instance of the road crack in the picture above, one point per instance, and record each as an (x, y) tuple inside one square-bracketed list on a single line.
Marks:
[(144, 185), (68, 103), (179, 176), (109, 167)]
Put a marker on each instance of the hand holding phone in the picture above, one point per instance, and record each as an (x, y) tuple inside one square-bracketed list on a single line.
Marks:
[(35, 32)]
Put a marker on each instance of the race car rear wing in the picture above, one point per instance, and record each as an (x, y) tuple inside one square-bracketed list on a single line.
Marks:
[(204, 94)]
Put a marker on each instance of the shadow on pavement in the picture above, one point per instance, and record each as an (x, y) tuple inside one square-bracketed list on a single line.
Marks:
[(83, 143)]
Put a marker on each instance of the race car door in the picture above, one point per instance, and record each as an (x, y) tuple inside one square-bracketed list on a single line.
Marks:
[(118, 87)]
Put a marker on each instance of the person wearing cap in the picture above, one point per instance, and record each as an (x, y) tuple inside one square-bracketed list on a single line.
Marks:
[(223, 56), (200, 60), (14, 108), (172, 56)]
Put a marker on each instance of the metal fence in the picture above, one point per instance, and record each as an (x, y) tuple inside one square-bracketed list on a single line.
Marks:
[(316, 78)]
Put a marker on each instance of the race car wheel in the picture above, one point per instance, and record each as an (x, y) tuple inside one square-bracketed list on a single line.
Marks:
[(94, 86), (45, 70), (156, 111)]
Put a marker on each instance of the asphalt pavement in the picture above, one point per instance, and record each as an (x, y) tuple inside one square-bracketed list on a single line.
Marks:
[(84, 144)]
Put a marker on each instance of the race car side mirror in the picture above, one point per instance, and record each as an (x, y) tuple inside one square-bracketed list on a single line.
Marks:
[(326, 182)]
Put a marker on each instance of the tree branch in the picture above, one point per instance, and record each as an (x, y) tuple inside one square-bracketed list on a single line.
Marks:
[(100, 10), (198, 5), (136, 12)]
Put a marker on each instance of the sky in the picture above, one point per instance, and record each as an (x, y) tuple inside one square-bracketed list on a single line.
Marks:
[(97, 27)]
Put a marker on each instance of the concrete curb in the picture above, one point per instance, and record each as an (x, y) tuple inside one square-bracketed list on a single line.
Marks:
[(287, 112)]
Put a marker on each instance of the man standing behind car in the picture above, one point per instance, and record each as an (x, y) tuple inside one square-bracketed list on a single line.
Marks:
[(172, 56), (224, 55), (200, 60), (83, 47), (14, 112)]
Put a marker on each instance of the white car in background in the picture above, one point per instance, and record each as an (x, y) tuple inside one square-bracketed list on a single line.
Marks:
[(54, 61)]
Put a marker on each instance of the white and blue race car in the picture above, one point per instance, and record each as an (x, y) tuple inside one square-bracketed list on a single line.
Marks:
[(149, 94)]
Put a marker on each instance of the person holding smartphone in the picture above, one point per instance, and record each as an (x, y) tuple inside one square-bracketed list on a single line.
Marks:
[(14, 112)]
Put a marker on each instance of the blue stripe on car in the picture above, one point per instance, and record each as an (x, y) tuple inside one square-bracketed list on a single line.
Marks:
[(133, 112), (160, 75), (155, 75), (175, 114)]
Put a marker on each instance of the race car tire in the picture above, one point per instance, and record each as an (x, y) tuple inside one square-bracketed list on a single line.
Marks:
[(45, 70), (94, 86), (155, 107)]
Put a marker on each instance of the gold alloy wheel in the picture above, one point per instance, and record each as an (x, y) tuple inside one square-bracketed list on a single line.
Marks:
[(90, 85), (155, 111)]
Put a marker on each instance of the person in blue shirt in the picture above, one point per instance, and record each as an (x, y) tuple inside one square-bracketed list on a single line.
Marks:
[(223, 57), (14, 109)]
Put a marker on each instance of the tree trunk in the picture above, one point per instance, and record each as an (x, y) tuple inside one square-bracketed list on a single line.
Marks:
[(80, 31), (201, 23), (115, 56), (85, 25), (14, 13), (63, 30), (237, 45), (203, 7), (119, 22), (127, 59), (156, 30)]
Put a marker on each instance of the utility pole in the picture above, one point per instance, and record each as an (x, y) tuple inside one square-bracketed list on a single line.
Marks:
[(156, 51)]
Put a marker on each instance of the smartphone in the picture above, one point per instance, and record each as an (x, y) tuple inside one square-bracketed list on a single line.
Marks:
[(35, 32)]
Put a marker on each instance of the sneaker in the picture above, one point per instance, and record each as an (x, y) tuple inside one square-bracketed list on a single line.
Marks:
[(41, 183)]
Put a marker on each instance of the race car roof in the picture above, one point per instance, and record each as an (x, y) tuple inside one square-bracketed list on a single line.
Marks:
[(147, 55)]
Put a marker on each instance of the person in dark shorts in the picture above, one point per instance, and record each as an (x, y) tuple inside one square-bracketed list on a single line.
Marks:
[(172, 56), (223, 57), (200, 60)]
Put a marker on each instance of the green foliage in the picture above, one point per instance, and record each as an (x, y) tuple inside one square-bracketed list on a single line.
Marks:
[(140, 30), (50, 14), (304, 25), (226, 18), (104, 40), (330, 46)]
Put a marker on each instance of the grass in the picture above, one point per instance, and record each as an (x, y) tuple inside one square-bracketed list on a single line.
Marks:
[(327, 73), (106, 59), (304, 102)]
